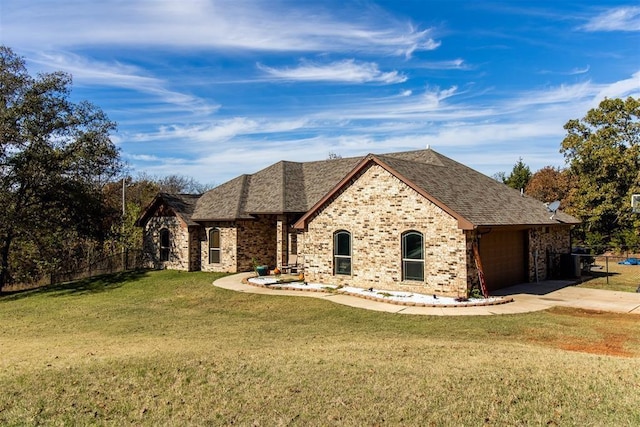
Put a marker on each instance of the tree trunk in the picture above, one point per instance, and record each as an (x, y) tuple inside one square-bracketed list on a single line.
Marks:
[(4, 261)]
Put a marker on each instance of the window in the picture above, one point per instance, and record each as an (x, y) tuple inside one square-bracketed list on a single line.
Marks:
[(342, 252), (165, 242), (412, 256), (214, 246)]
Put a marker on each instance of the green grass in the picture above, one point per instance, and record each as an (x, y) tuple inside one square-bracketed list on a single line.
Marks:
[(168, 348), (613, 276)]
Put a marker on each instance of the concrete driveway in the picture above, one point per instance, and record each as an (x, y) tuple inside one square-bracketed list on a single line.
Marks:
[(526, 298), (565, 294)]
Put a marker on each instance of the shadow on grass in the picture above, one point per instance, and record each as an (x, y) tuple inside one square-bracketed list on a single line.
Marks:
[(96, 284)]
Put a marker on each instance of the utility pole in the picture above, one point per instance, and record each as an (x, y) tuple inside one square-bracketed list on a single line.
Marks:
[(124, 212)]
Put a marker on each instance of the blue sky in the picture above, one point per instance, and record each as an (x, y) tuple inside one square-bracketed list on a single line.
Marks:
[(212, 89)]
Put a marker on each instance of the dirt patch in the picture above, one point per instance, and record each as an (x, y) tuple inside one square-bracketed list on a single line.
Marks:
[(618, 318), (594, 332), (611, 345)]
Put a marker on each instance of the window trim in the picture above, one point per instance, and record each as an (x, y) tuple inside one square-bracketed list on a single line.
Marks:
[(165, 249), (414, 261), (337, 257), (213, 248)]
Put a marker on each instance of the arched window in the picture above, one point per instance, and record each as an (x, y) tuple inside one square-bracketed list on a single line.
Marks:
[(412, 256), (165, 244), (214, 246), (342, 252)]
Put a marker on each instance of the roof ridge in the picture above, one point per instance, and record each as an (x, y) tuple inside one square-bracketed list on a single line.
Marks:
[(400, 159)]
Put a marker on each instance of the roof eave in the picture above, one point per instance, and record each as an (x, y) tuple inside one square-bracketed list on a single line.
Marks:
[(221, 219)]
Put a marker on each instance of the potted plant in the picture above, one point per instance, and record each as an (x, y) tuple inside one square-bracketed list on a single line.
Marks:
[(260, 269)]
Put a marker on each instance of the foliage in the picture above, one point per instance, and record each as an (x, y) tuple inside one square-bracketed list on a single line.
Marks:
[(176, 184), (603, 153), (550, 184), (499, 176), (475, 293), (55, 157), (120, 230), (519, 176)]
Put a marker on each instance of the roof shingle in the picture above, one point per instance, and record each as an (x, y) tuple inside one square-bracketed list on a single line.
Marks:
[(291, 187)]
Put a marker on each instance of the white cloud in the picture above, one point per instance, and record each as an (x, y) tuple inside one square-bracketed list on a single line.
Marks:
[(144, 157), (454, 64), (555, 95), (346, 71), (617, 19), (116, 74), (219, 131), (245, 25), (435, 96), (576, 71), (621, 89)]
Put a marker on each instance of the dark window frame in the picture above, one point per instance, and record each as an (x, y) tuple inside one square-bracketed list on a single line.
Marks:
[(342, 255), (215, 252), (412, 256), (165, 244)]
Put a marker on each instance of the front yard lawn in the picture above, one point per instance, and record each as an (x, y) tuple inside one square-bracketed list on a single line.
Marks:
[(159, 348)]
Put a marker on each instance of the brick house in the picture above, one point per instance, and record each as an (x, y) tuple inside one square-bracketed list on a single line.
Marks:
[(400, 221)]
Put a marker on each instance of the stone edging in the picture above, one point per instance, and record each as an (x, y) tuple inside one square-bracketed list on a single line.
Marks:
[(378, 299)]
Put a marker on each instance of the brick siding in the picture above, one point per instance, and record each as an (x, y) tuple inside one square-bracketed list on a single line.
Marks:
[(377, 208)]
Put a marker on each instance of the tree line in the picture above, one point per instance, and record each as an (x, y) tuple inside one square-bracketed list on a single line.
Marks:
[(602, 154), (62, 179)]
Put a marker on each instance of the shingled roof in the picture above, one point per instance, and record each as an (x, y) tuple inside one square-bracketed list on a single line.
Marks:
[(182, 205), (284, 187), (474, 199), (291, 187)]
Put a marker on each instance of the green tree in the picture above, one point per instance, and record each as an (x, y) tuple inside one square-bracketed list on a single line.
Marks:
[(519, 176), (55, 157), (138, 193), (603, 153)]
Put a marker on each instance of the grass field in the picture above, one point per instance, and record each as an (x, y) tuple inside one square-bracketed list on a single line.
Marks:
[(613, 276), (167, 348)]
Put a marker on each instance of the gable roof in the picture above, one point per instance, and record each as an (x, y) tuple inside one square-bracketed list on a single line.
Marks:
[(471, 197), (182, 205)]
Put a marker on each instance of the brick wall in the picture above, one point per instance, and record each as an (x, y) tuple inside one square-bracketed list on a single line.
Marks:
[(257, 241), (228, 246), (241, 242), (377, 209)]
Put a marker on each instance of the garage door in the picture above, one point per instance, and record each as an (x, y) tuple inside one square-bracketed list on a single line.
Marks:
[(504, 258)]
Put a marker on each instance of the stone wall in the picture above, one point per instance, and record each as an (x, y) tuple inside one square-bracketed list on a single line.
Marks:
[(473, 280), (545, 246), (179, 240), (377, 208)]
